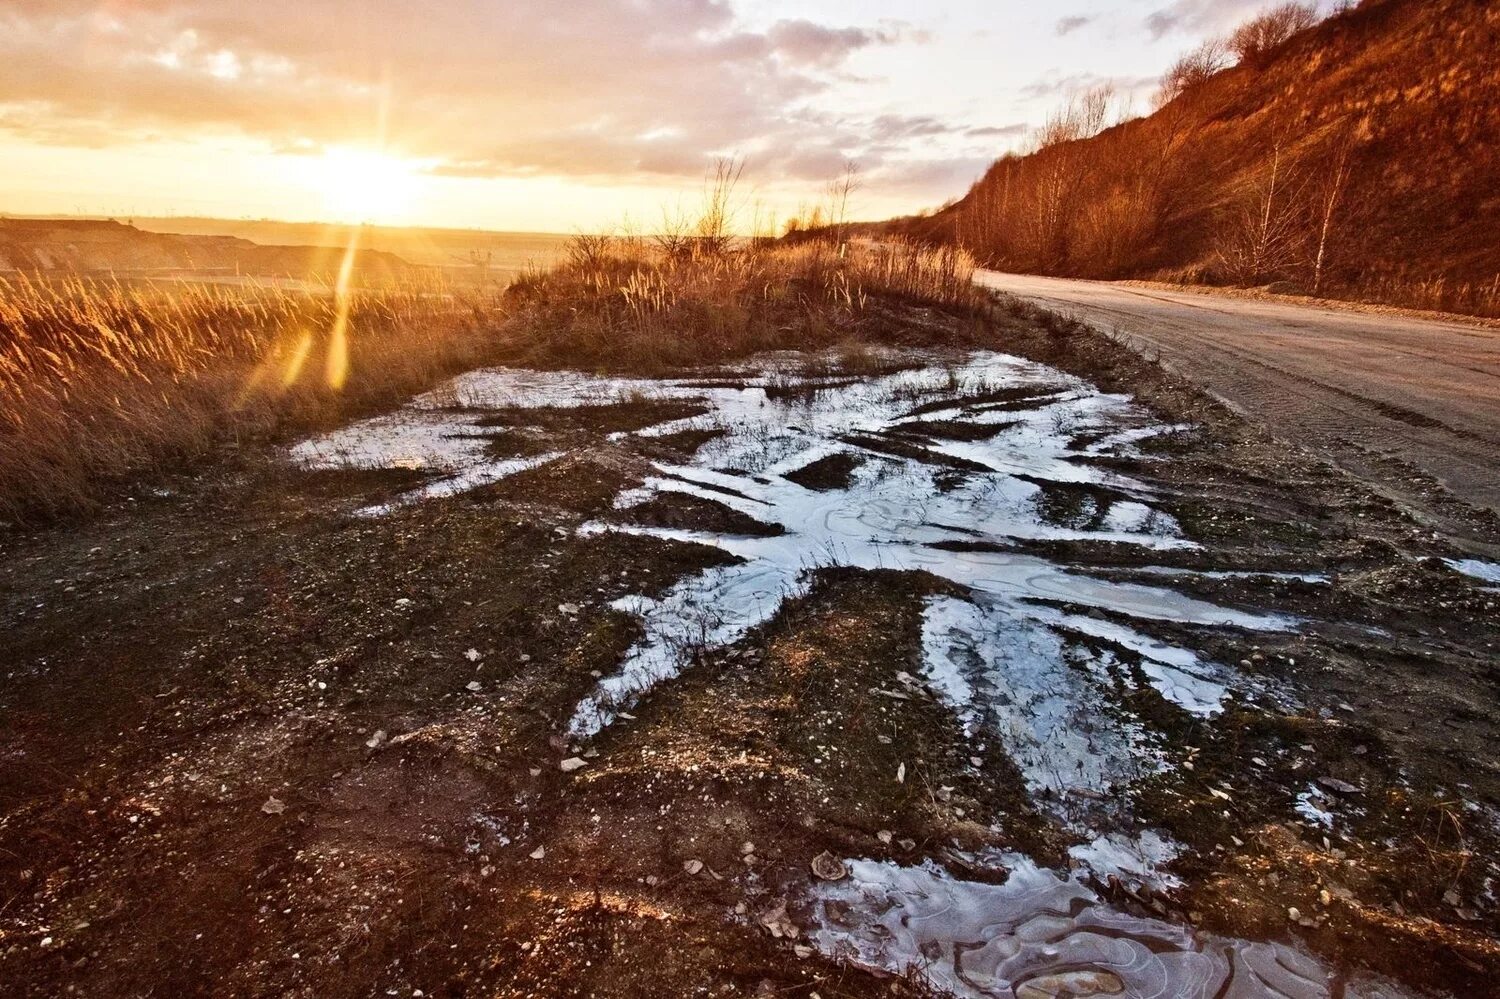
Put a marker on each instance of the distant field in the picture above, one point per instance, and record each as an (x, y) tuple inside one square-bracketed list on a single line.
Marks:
[(500, 254)]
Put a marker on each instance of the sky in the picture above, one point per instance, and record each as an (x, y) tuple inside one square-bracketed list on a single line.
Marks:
[(544, 115)]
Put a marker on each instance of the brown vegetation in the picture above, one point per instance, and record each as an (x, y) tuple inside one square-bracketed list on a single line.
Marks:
[(100, 381), (624, 303), (1355, 158), (104, 381)]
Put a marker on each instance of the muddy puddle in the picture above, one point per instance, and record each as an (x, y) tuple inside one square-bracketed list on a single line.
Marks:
[(1039, 934), (956, 467)]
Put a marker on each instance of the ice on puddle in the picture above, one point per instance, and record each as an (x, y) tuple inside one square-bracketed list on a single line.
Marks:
[(1042, 934), (1488, 572), (1018, 654)]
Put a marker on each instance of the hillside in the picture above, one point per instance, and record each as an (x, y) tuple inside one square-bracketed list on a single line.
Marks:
[(1361, 158), (79, 246)]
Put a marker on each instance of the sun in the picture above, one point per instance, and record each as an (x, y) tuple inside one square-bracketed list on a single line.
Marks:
[(363, 185)]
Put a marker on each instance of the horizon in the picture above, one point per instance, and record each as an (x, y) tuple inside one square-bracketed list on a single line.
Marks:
[(189, 108)]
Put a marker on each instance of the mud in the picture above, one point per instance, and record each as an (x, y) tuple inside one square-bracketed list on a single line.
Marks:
[(1133, 680)]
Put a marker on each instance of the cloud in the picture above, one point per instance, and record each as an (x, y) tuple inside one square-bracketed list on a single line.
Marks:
[(1200, 16), (998, 131), (1068, 25), (806, 43), (1058, 87), (614, 89)]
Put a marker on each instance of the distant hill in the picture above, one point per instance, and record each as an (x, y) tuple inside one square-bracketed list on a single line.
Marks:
[(499, 254), (85, 246), (1361, 158)]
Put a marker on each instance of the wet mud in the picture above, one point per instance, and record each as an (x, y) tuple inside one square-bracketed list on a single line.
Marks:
[(958, 673)]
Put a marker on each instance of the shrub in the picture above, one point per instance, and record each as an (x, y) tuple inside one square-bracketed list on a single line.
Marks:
[(1259, 36)]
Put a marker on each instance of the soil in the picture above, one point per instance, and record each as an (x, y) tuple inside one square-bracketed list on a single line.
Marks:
[(253, 745)]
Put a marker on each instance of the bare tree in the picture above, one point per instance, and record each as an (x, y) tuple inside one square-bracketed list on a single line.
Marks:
[(1266, 234), (840, 190), (1193, 70), (1339, 167), (1257, 37), (715, 228), (674, 235)]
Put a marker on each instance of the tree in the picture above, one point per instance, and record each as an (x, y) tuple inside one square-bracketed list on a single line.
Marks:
[(1259, 36), (1336, 171), (1193, 70), (840, 190), (715, 228), (1266, 234)]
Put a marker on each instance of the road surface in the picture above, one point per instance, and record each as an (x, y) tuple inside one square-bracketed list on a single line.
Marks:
[(1360, 387)]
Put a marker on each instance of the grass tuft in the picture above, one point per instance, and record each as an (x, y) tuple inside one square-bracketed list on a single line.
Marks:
[(625, 303)]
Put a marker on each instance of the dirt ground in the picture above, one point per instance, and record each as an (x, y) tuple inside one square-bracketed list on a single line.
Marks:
[(252, 745), (1400, 401)]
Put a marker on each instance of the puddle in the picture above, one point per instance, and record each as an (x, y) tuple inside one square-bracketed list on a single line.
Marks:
[(1488, 572), (1040, 934), (948, 468)]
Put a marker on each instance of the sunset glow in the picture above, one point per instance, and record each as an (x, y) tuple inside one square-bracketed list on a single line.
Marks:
[(529, 116), (363, 186)]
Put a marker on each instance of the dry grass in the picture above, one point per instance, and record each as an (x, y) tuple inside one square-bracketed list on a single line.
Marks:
[(623, 303), (101, 382)]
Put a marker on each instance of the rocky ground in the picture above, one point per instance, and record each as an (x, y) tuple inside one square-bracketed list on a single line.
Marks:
[(256, 745)]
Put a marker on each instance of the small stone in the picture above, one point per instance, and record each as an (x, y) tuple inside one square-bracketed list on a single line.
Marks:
[(377, 740), (1338, 786), (572, 763), (829, 868), (776, 922), (885, 836), (539, 853), (693, 867), (1071, 983), (273, 806), (473, 686), (473, 655)]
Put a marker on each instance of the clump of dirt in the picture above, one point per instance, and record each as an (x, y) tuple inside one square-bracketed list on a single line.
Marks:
[(835, 471), (692, 513), (605, 418)]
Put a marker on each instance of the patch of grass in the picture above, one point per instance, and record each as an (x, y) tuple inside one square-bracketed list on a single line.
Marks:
[(105, 382), (624, 303)]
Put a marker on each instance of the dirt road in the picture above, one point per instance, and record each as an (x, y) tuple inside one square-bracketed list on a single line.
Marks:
[(1381, 395)]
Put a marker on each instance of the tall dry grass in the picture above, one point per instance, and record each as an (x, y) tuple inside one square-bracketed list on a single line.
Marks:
[(626, 303), (102, 381)]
